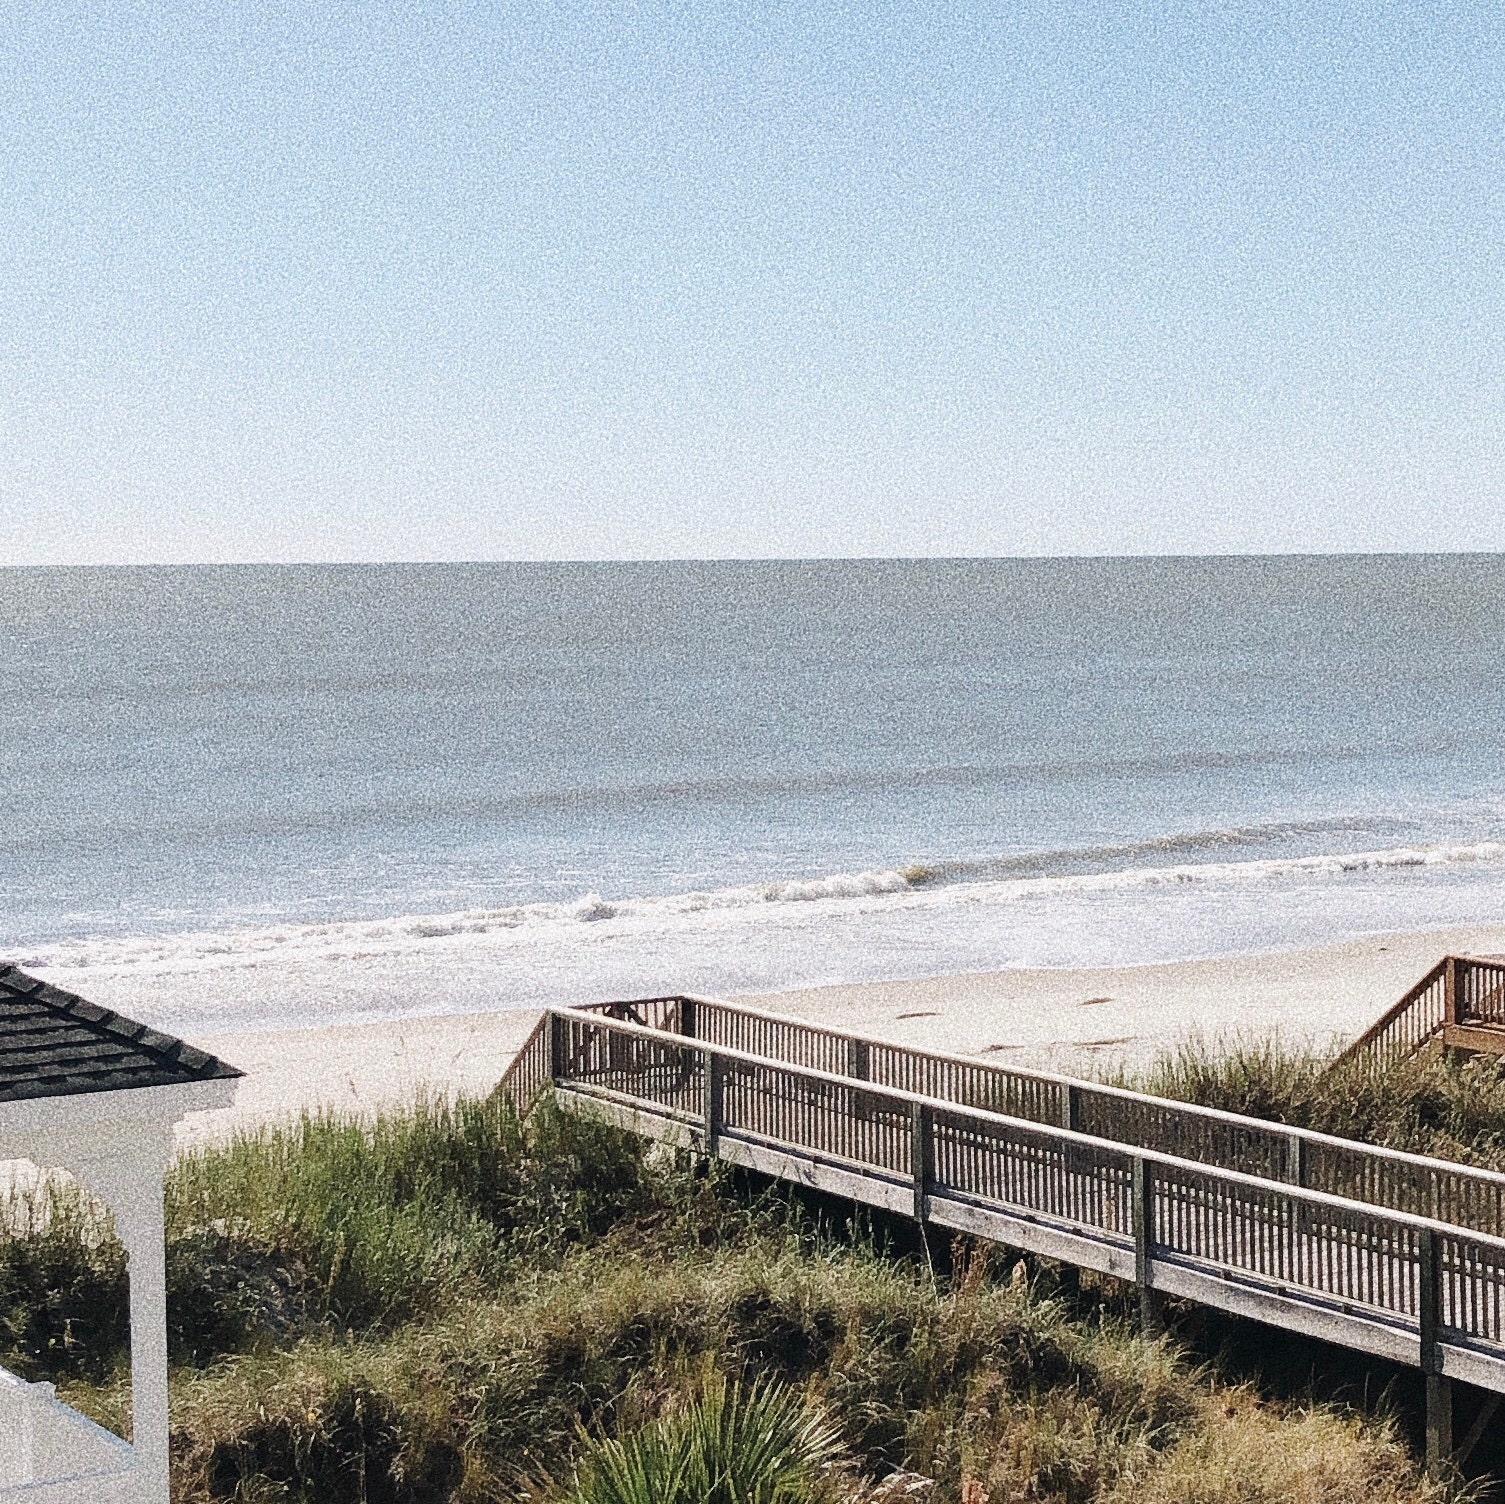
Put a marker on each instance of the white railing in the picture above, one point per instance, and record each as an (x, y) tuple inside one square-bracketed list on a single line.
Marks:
[(51, 1454)]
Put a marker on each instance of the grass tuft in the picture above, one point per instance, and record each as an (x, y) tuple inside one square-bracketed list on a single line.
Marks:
[(1453, 1108)]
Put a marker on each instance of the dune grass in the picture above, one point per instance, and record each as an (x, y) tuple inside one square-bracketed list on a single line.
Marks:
[(1453, 1108), (446, 1306)]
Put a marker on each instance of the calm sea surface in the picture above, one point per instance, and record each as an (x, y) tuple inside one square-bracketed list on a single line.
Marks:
[(576, 779)]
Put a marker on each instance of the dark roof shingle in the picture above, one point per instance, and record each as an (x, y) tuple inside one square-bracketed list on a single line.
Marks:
[(56, 1044)]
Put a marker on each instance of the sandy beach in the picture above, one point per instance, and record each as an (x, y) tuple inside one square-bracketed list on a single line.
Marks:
[(1081, 1021)]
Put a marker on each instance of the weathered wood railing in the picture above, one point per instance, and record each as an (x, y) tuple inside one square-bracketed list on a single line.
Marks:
[(1413, 1183), (1460, 993), (1413, 1289), (531, 1069), (1403, 1029)]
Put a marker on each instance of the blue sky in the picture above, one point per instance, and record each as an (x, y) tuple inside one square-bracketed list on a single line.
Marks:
[(601, 280)]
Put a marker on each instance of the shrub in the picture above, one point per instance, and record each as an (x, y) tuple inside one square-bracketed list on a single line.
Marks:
[(1453, 1108), (64, 1295), (754, 1443)]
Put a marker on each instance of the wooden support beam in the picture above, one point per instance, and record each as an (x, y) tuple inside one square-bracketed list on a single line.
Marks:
[(922, 1163), (1439, 1388), (1151, 1312), (1487, 1412), (1486, 1039), (1439, 1426)]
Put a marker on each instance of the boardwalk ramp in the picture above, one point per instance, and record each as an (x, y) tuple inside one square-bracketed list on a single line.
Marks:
[(1395, 1255)]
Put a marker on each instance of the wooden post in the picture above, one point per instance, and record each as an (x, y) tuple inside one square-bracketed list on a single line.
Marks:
[(1151, 1317), (1071, 1107), (1439, 1388), (1452, 1003), (859, 1060), (687, 1017), (1295, 1159), (1292, 1270), (557, 1063), (921, 1154), (1428, 1299), (860, 1068), (714, 1079), (1439, 1426)]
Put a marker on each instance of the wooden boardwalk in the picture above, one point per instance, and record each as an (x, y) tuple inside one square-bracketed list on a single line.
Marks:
[(1390, 1254)]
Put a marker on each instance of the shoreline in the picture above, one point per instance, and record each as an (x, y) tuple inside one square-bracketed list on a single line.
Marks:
[(1081, 1021)]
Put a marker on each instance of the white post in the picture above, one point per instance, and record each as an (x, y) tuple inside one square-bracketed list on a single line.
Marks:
[(130, 1182), (144, 1237)]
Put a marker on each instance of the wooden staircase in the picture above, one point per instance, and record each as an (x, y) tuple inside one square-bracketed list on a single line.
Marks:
[(1459, 1004)]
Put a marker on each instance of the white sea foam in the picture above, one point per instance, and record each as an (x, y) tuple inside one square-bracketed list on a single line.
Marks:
[(592, 918)]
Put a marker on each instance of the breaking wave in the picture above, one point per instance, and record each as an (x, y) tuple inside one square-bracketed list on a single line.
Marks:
[(1009, 879)]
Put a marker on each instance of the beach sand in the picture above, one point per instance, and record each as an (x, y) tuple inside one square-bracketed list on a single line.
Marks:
[(1079, 1021)]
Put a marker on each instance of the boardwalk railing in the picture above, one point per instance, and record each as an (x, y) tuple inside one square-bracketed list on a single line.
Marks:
[(1413, 1183), (1459, 995), (531, 1069), (1412, 1289), (1402, 1030)]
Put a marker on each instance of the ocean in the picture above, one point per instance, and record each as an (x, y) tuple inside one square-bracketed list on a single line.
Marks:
[(255, 796)]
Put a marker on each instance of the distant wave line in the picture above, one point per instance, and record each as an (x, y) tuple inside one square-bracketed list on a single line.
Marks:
[(405, 812), (931, 886)]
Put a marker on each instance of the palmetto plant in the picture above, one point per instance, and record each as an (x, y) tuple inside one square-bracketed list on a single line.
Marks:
[(757, 1443)]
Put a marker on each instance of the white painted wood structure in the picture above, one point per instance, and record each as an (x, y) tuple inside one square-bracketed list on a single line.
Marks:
[(88, 1092)]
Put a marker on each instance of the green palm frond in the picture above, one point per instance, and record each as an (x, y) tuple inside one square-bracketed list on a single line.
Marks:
[(737, 1444)]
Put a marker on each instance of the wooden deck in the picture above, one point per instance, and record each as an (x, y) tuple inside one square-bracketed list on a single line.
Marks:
[(1390, 1254)]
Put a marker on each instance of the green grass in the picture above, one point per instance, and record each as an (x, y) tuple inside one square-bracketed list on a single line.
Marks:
[(1450, 1107), (445, 1306)]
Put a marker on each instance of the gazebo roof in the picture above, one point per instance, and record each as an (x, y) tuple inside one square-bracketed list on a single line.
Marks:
[(55, 1044)]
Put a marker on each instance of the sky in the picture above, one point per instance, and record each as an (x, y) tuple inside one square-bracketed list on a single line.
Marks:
[(600, 280)]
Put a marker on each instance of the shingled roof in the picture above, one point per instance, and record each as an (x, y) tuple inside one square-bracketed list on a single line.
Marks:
[(55, 1044)]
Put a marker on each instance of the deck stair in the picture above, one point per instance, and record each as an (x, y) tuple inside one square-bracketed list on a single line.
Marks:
[(1459, 1004), (1392, 1254)]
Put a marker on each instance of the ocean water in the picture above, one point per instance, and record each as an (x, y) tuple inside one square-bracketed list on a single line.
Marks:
[(273, 794)]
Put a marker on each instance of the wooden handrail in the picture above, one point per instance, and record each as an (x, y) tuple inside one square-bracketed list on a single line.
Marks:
[(1417, 1289), (1462, 1195), (529, 1071), (1437, 1002), (908, 1100), (1408, 1000)]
